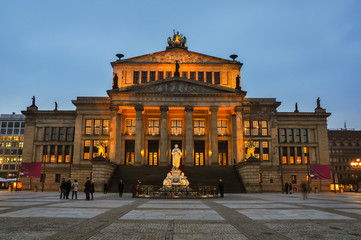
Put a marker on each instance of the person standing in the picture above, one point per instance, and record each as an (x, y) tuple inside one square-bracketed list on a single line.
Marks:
[(304, 190), (221, 187), (121, 188), (92, 189), (63, 189), (286, 187), (74, 188), (68, 188), (105, 188), (290, 188), (87, 188)]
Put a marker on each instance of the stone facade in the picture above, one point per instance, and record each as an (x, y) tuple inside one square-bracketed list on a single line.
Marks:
[(204, 111)]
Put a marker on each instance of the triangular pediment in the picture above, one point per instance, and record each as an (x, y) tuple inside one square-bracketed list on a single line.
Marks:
[(175, 54), (177, 85)]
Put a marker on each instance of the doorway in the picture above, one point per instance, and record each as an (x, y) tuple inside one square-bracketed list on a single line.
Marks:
[(199, 152), (153, 146), (129, 152), (223, 153)]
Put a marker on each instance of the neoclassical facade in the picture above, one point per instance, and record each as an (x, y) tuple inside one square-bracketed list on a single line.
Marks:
[(179, 97)]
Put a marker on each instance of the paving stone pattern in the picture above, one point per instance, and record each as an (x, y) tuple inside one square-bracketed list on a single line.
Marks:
[(29, 215)]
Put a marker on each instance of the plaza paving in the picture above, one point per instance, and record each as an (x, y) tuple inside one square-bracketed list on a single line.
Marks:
[(35, 215)]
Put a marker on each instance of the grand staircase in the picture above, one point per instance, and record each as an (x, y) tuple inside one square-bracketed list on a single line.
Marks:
[(197, 176)]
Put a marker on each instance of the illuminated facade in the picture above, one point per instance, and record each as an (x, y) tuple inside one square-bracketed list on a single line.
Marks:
[(11, 143), (179, 97)]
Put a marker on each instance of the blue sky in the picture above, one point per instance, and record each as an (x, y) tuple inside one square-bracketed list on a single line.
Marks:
[(295, 51)]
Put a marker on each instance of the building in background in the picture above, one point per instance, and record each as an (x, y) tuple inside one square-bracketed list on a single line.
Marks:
[(178, 97), (11, 143), (345, 147)]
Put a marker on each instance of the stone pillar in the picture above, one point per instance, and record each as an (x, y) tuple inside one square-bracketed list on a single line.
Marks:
[(115, 136), (189, 137), (239, 134), (139, 146), (214, 135), (163, 159), (77, 156)]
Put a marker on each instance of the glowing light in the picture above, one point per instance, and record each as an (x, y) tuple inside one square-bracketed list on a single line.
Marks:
[(210, 153)]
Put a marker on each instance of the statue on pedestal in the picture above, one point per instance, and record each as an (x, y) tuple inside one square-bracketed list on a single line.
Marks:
[(176, 157)]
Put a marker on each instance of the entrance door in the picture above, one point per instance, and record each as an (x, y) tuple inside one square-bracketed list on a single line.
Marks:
[(199, 152), (153, 146), (129, 152), (223, 152), (179, 143)]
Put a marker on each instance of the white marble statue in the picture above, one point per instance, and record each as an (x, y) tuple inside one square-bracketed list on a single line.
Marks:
[(176, 156)]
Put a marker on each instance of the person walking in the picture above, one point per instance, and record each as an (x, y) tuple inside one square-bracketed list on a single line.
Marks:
[(121, 188), (105, 188), (68, 188), (74, 188), (92, 189), (221, 187), (63, 189), (286, 187), (87, 188), (304, 190)]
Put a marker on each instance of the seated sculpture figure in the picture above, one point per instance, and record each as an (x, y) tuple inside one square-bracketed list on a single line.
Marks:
[(183, 180), (168, 180)]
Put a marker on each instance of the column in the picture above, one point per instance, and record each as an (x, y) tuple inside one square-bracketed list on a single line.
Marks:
[(189, 137), (163, 159), (139, 148), (115, 135), (214, 135), (78, 142), (239, 134)]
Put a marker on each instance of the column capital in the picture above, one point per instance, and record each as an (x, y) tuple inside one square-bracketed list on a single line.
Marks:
[(189, 108), (115, 110), (238, 108), (138, 107), (163, 108), (213, 108)]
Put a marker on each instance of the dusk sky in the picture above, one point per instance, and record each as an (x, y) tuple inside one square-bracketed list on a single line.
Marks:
[(294, 51)]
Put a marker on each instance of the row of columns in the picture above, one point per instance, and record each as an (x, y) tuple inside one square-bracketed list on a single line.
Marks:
[(115, 135)]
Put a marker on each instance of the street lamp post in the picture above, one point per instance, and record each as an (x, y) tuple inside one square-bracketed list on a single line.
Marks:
[(357, 165)]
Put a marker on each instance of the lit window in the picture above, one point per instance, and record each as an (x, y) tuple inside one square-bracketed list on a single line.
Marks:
[(153, 127), (21, 138), (60, 154), (265, 150), (247, 128), (21, 144), (8, 144), (176, 127), (96, 127), (105, 127), (16, 138), (52, 154), (222, 127), (299, 155), (45, 153), (67, 154), (86, 149), (292, 155), (130, 126), (284, 155), (264, 128), (9, 138), (88, 127), (306, 153), (198, 127)]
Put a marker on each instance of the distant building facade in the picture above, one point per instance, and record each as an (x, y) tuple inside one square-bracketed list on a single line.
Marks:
[(11, 143), (178, 97), (345, 147)]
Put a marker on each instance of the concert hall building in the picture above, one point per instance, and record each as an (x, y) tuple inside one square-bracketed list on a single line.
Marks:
[(179, 97)]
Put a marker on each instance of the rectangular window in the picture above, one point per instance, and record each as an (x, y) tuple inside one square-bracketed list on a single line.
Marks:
[(23, 124), (265, 152), (17, 124), (69, 134), (96, 127), (169, 74), (45, 153), (10, 131), (60, 154), (192, 75), (153, 127), (67, 154), (255, 128), (52, 154), (306, 154), (294, 179), (16, 131), (88, 127), (10, 124), (144, 76), (61, 134), (22, 131), (222, 125), (160, 75), (299, 155), (4, 124), (305, 136), (130, 126), (86, 155), (198, 127), (284, 155), (21, 138), (247, 128), (151, 76), (290, 135), (264, 128), (176, 127), (292, 155), (209, 77), (298, 135), (257, 149), (136, 77), (217, 78), (8, 144), (95, 148), (282, 135), (53, 134), (201, 76), (185, 74), (3, 131), (105, 127), (57, 178)]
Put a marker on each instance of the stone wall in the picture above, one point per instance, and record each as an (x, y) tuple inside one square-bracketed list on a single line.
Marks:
[(249, 173)]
